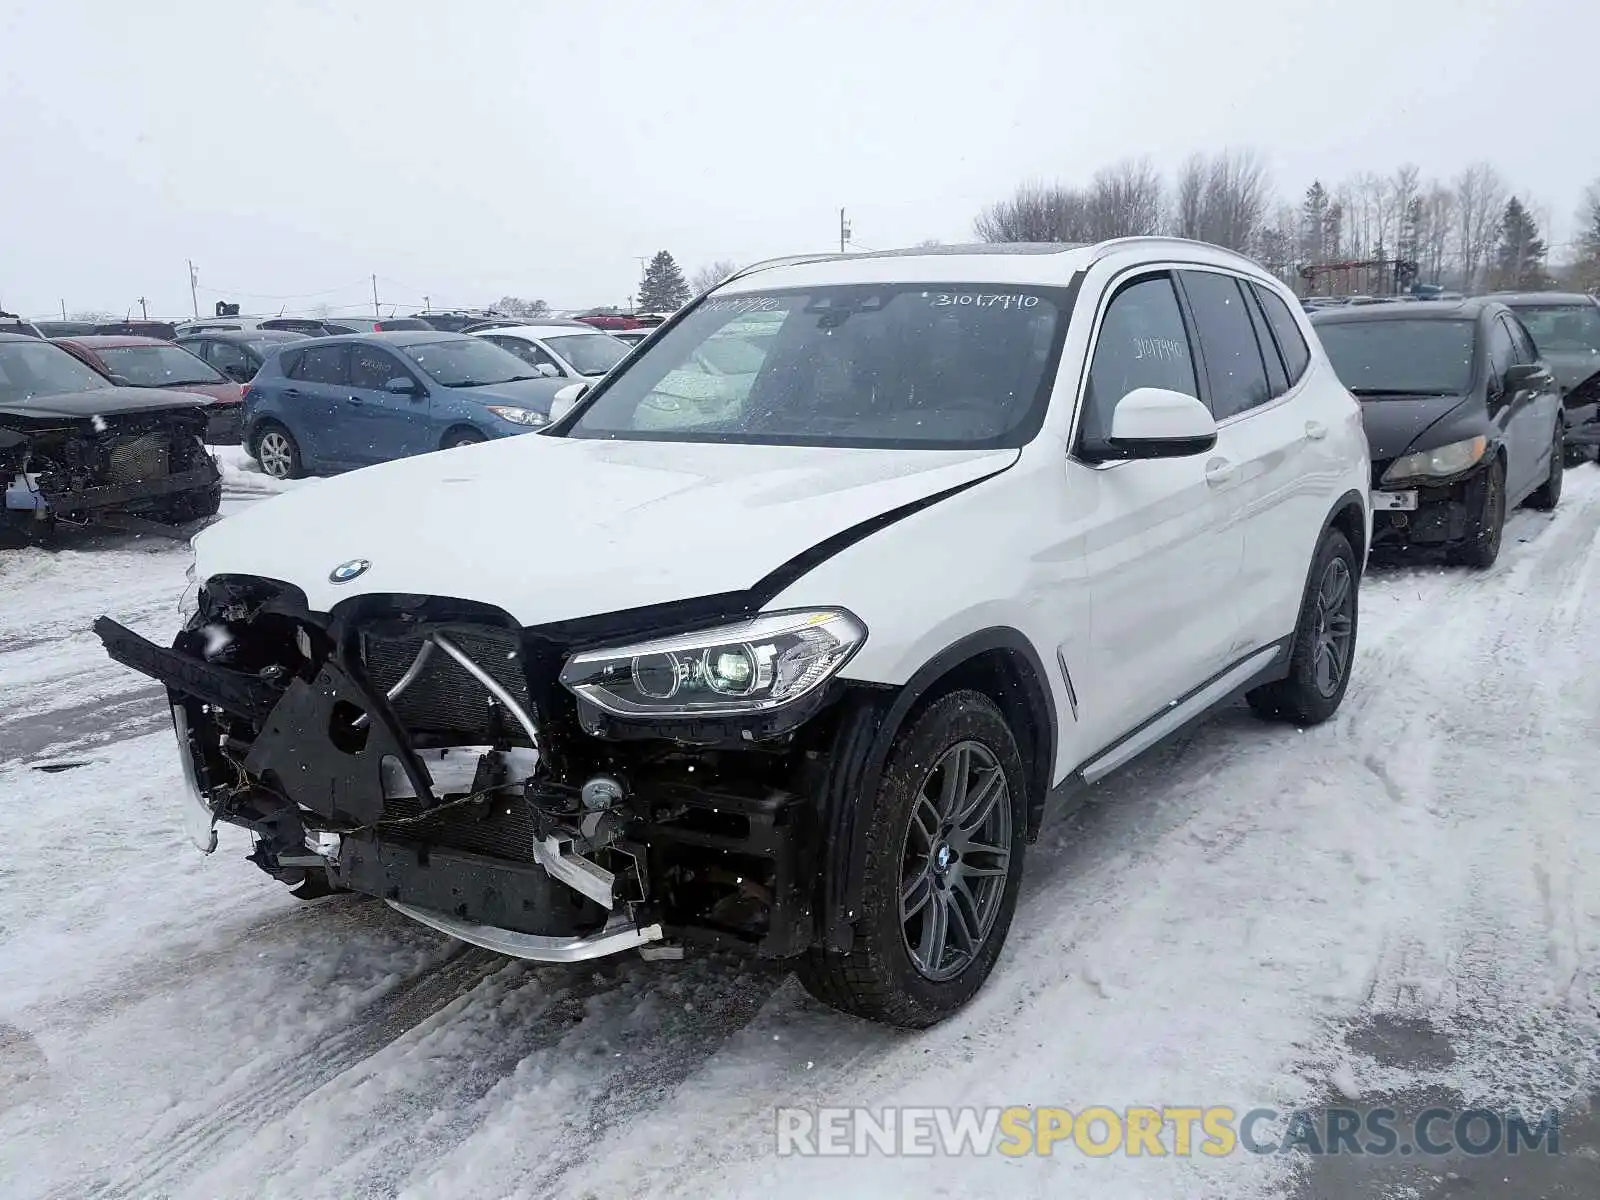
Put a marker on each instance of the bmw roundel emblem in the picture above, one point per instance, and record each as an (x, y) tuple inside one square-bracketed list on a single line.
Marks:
[(346, 571)]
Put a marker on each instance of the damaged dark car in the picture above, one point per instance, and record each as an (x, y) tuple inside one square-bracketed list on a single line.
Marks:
[(76, 450), (1464, 420)]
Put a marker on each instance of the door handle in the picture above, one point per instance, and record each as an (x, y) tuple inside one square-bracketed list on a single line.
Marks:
[(291, 391), (1219, 472), (356, 400), (1316, 431)]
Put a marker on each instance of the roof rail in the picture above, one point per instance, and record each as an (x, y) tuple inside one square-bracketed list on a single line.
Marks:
[(1161, 239), (788, 260)]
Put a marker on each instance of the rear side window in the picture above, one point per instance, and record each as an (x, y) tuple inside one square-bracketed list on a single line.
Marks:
[(319, 364), (1276, 379), (1286, 331), (1233, 364), (1142, 343)]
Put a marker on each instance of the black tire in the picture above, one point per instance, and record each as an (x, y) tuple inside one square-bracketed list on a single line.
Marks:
[(1324, 646), (1576, 456), (1548, 494), (288, 464), (461, 437), (313, 884), (878, 978), (1481, 546)]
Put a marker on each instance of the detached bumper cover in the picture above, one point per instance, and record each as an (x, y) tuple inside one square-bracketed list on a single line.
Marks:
[(618, 934)]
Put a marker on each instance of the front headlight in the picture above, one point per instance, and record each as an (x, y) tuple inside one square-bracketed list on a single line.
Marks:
[(1450, 459), (751, 667), (517, 416)]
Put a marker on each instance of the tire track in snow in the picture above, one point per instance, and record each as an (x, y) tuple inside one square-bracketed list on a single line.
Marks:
[(176, 1154)]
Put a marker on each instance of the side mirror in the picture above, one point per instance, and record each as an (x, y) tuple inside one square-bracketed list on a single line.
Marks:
[(400, 386), (1159, 423), (545, 371), (561, 403), (1526, 375)]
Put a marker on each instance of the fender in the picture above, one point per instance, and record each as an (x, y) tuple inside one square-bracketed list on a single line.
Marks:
[(866, 734)]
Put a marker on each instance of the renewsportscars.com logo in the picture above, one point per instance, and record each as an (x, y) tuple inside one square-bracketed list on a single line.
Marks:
[(1157, 1132)]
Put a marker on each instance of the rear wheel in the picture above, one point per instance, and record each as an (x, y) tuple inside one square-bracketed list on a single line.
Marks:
[(1324, 641), (1481, 546), (944, 861), (277, 452), (1548, 494)]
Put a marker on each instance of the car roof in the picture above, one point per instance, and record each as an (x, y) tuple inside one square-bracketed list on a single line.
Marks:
[(18, 337), (1532, 299), (244, 335), (1423, 310), (393, 337), (1042, 264), (111, 341)]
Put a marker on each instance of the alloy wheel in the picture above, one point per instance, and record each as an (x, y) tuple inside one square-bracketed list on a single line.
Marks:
[(955, 860), (1335, 626), (275, 454)]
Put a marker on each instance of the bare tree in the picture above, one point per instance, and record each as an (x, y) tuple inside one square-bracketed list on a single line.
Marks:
[(1234, 203), (1188, 217), (1433, 232), (1037, 212), (1588, 240), (1126, 200), (713, 273), (1480, 202)]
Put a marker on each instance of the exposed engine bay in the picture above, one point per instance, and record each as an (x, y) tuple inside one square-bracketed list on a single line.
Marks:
[(145, 468), (421, 750)]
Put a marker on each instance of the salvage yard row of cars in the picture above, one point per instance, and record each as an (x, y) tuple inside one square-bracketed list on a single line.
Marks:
[(784, 632)]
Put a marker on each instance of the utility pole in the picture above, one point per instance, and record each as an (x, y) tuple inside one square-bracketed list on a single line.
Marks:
[(844, 231), (63, 310), (144, 312), (375, 311), (194, 278), (427, 303)]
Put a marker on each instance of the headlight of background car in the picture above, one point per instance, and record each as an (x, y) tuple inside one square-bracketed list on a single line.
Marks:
[(750, 667), (517, 416), (1451, 459)]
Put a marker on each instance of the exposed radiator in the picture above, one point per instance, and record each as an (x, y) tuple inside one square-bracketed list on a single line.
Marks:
[(445, 700), (146, 456)]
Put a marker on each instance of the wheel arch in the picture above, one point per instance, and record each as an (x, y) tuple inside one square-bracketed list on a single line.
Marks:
[(998, 661), (458, 426), (1349, 516)]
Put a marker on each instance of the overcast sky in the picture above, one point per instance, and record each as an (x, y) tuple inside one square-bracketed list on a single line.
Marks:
[(465, 149)]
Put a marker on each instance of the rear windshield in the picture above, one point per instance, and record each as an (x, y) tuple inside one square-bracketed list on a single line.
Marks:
[(29, 369), (936, 366), (1563, 328), (1400, 358), (157, 366)]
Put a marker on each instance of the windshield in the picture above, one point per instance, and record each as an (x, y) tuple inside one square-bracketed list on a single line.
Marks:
[(157, 366), (467, 362), (589, 353), (1563, 328), (936, 366), (30, 369), (1410, 358)]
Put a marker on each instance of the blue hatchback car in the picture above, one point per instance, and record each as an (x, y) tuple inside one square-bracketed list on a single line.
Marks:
[(330, 404)]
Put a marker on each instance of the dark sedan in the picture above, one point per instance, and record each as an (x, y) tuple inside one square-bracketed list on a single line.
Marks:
[(1464, 421), (1566, 329), (238, 354)]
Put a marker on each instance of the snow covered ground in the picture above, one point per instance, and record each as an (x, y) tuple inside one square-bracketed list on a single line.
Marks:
[(1236, 921)]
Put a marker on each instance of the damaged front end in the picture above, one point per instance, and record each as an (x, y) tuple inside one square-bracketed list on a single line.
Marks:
[(144, 471), (426, 751)]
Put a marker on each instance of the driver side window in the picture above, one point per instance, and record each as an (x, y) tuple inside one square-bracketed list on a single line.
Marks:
[(1142, 343)]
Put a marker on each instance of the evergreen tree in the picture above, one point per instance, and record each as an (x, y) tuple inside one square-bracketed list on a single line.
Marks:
[(662, 289), (1314, 223), (1333, 232), (1519, 258)]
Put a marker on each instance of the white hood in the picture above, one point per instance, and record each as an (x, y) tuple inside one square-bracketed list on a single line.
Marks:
[(552, 529)]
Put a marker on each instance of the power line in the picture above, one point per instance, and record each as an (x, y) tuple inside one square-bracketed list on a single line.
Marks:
[(224, 291)]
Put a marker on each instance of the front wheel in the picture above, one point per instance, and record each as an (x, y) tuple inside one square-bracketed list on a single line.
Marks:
[(461, 437), (944, 860), (1324, 643), (1481, 546)]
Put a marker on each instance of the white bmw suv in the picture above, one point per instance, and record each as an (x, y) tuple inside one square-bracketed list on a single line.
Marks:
[(792, 654)]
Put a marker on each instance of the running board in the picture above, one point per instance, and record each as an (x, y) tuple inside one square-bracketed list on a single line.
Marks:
[(618, 934), (1178, 714)]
